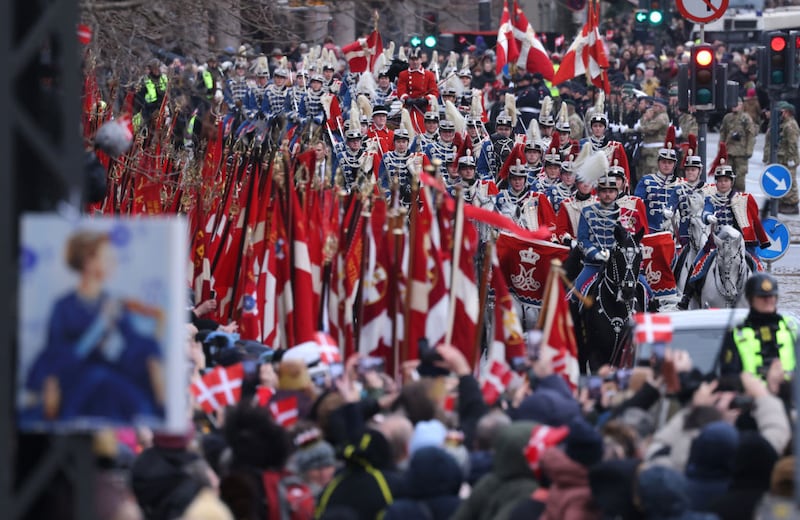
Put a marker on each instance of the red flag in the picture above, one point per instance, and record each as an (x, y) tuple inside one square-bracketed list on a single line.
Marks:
[(495, 381), (328, 349), (533, 56), (526, 265), (507, 50), (250, 321), (586, 55), (362, 53), (653, 328), (465, 288), (542, 438), (220, 387), (285, 411), (305, 315), (658, 253), (352, 272), (264, 395), (375, 331), (558, 331), (507, 327)]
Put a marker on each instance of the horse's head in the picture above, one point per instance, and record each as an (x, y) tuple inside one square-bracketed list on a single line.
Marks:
[(625, 262), (698, 230), (730, 246)]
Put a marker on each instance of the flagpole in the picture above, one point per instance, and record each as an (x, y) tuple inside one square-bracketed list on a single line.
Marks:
[(483, 294), (548, 287), (412, 237), (366, 213), (396, 224), (455, 277)]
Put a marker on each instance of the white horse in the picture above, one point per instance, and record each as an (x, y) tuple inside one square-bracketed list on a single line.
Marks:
[(698, 236), (728, 272)]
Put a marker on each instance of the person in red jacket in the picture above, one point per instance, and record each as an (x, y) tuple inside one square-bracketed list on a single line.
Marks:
[(417, 88)]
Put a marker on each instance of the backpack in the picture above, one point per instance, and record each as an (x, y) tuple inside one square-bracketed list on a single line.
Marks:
[(294, 496)]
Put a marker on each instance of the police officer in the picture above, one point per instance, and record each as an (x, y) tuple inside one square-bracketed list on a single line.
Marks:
[(738, 132), (787, 154), (151, 93), (764, 337)]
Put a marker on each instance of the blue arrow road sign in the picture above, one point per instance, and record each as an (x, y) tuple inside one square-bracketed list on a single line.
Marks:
[(779, 240), (776, 180)]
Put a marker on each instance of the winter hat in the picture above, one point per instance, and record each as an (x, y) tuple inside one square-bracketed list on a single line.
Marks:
[(547, 407), (662, 493), (782, 481), (317, 455), (427, 433), (712, 453), (754, 461), (584, 443), (433, 472), (293, 375), (162, 484), (207, 506), (612, 485)]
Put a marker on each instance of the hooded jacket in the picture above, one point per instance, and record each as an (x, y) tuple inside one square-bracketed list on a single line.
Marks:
[(510, 480)]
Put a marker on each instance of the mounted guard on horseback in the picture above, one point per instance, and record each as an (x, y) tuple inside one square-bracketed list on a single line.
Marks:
[(739, 211)]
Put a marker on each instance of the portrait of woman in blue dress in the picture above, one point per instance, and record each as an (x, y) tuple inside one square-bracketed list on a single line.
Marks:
[(101, 359)]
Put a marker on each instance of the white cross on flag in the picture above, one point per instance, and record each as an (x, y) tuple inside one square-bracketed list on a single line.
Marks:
[(328, 349), (219, 388), (653, 328), (285, 411), (495, 381)]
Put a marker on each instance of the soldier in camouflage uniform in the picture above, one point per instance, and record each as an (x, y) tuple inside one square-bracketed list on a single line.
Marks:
[(738, 132), (653, 126), (787, 154)]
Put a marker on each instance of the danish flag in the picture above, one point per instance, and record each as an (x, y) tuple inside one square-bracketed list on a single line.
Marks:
[(496, 381), (285, 411), (653, 328), (219, 388), (542, 438)]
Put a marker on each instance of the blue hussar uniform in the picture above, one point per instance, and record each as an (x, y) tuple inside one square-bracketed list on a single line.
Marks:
[(684, 192), (595, 234), (347, 160), (558, 193), (236, 92), (395, 165), (274, 101), (444, 152), (658, 194)]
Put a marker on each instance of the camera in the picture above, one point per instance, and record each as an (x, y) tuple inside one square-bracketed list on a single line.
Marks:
[(736, 136)]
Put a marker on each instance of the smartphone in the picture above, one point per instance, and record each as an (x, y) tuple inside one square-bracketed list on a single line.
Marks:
[(337, 370), (594, 384), (370, 364)]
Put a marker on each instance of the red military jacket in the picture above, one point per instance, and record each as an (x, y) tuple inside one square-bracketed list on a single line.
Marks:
[(419, 83)]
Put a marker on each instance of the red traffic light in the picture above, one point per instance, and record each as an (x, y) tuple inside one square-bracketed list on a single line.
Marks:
[(777, 43), (704, 57), (797, 42)]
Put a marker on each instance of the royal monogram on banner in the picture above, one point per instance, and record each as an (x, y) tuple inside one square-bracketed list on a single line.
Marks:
[(526, 264), (658, 253)]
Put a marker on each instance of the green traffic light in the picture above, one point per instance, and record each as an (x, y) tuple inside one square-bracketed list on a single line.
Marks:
[(703, 96), (656, 17), (430, 41), (777, 77), (415, 41), (641, 16)]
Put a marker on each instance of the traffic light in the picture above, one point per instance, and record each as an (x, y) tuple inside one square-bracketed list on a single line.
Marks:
[(655, 16), (415, 40), (702, 77), (794, 59), (640, 25), (778, 59), (430, 26)]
